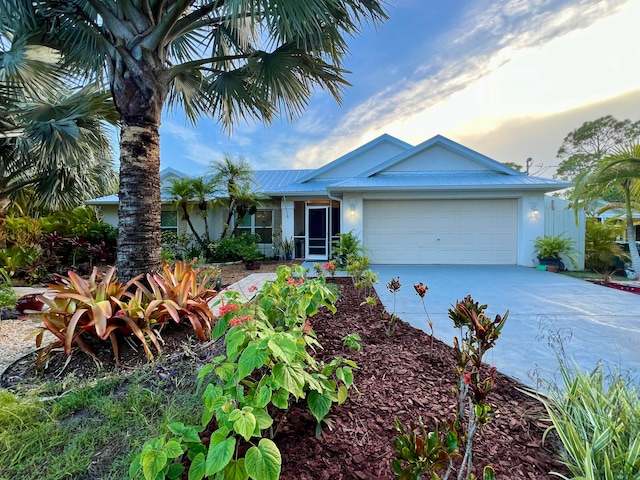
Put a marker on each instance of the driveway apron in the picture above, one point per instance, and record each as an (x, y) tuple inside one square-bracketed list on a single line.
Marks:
[(594, 323)]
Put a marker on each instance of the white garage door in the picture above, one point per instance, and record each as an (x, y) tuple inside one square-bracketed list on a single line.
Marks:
[(470, 232)]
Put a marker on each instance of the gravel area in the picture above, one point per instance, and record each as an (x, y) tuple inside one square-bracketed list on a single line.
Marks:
[(17, 339)]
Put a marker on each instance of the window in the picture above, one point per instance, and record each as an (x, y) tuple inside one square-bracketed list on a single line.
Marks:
[(169, 221), (261, 223)]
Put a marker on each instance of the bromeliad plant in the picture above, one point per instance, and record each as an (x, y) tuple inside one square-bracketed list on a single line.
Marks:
[(419, 454), (104, 308), (266, 367)]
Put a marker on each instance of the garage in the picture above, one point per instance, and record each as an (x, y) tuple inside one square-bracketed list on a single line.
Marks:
[(473, 232)]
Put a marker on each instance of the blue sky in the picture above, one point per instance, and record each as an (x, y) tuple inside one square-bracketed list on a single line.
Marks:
[(508, 78)]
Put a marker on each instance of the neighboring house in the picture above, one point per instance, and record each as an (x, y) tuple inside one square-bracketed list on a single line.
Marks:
[(434, 203), (603, 214)]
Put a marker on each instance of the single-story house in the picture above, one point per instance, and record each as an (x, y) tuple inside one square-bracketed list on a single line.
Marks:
[(438, 202)]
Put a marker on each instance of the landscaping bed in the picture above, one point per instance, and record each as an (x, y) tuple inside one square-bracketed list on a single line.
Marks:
[(398, 377)]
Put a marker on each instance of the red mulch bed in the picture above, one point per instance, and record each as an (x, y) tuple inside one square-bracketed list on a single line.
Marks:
[(396, 378)]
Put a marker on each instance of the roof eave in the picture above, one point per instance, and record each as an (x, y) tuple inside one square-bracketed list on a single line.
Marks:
[(396, 188)]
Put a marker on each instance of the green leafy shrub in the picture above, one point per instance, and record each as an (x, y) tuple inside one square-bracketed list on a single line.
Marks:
[(601, 250), (17, 261), (555, 247), (78, 222), (267, 365), (347, 244), (8, 296), (23, 232), (598, 421), (243, 247)]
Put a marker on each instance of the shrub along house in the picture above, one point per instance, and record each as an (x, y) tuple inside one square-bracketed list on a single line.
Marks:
[(434, 203)]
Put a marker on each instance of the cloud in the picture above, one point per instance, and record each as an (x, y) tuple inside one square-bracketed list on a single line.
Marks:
[(192, 146), (528, 59)]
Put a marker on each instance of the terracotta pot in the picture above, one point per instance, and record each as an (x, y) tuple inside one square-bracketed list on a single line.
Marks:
[(552, 268)]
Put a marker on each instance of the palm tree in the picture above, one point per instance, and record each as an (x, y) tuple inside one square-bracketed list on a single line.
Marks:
[(183, 195), (235, 177), (621, 171), (230, 60), (203, 189), (53, 142)]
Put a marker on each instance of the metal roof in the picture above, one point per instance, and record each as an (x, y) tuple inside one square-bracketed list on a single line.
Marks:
[(448, 180)]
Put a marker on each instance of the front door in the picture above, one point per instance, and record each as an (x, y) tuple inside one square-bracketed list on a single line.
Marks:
[(317, 233)]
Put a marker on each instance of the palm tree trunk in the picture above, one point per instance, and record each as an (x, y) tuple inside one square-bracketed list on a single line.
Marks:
[(139, 247), (631, 232), (187, 217), (207, 235)]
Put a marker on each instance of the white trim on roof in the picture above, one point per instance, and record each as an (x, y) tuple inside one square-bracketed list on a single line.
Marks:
[(449, 145), (384, 138)]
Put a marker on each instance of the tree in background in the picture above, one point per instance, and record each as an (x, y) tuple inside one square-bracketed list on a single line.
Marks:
[(584, 147), (186, 193), (182, 194), (619, 171), (54, 139), (230, 60), (515, 166), (203, 190), (235, 177)]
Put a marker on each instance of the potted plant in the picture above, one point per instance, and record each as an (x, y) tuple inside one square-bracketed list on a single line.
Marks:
[(288, 245), (550, 249), (347, 243)]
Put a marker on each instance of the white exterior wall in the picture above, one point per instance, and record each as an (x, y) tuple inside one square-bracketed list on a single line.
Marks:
[(353, 221), (287, 218), (530, 226), (561, 220), (109, 214)]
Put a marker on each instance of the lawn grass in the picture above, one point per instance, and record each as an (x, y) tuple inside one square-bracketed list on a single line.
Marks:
[(80, 429)]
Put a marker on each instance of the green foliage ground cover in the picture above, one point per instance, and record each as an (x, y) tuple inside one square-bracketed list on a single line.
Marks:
[(91, 428)]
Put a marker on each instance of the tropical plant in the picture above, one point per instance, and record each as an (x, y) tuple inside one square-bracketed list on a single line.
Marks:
[(243, 247), (555, 247), (226, 60), (235, 177), (102, 307), (597, 419), (176, 245), (186, 193), (352, 341), (432, 451), (8, 295), (601, 249), (347, 244), (288, 245), (54, 140), (620, 170), (267, 364), (23, 232), (203, 189)]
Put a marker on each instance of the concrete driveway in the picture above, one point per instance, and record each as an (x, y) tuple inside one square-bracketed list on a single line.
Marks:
[(594, 322)]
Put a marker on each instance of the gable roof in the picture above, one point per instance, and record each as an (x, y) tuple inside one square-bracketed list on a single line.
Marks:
[(447, 144), (383, 140), (408, 168)]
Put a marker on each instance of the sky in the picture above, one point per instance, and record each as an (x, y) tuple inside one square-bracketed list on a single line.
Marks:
[(507, 78)]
